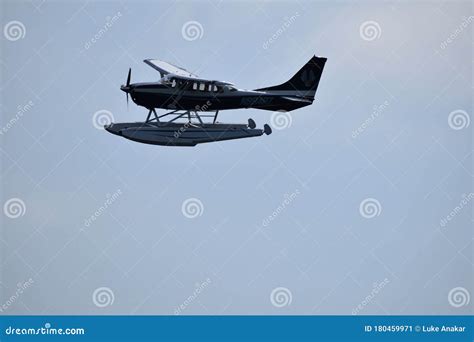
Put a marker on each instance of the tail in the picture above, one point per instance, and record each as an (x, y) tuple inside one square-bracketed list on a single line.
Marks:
[(305, 82)]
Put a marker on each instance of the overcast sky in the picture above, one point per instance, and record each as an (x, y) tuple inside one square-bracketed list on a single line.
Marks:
[(353, 197)]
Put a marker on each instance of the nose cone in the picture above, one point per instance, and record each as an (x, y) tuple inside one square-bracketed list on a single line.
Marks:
[(125, 88)]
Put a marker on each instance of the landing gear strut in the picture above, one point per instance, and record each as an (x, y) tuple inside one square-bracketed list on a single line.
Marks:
[(149, 115), (190, 115), (179, 114)]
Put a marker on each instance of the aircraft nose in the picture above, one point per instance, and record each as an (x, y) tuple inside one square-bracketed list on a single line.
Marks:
[(125, 88)]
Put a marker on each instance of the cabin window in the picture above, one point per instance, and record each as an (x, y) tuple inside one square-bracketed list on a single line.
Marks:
[(214, 88), (202, 86), (209, 88), (173, 83), (195, 86)]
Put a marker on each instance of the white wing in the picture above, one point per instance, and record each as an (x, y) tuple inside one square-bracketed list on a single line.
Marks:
[(167, 68)]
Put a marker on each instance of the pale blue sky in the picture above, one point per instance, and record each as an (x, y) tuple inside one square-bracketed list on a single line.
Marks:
[(319, 246)]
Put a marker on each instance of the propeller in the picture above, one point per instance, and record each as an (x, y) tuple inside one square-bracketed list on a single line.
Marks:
[(126, 88), (128, 82)]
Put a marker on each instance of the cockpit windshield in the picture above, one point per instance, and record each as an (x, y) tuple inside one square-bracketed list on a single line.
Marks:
[(166, 79)]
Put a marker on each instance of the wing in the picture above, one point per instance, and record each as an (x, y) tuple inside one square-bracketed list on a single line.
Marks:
[(166, 68)]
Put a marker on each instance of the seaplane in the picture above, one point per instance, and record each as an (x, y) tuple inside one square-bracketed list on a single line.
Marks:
[(192, 105)]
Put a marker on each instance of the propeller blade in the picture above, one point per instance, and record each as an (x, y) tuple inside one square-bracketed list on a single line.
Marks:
[(127, 101), (129, 76)]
